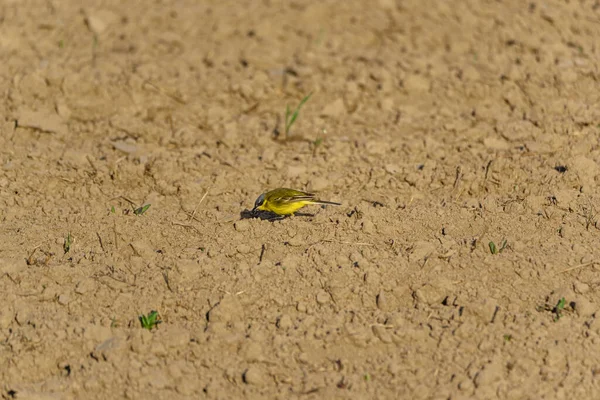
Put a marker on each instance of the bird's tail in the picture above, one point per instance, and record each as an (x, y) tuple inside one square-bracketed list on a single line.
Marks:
[(325, 202)]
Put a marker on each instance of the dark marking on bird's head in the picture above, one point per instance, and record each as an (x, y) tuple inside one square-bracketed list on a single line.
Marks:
[(259, 202)]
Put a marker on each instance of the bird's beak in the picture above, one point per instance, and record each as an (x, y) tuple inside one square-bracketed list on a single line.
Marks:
[(254, 209)]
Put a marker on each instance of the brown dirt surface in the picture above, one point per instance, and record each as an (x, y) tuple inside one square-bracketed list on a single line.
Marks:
[(441, 126)]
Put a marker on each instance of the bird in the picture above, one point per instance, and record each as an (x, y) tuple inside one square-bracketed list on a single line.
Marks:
[(284, 201)]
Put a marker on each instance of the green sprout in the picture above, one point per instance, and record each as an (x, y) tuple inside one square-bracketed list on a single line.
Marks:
[(141, 210), (112, 209), (290, 117), (507, 338), (61, 44), (318, 141), (150, 321), (558, 308), (68, 243), (494, 249)]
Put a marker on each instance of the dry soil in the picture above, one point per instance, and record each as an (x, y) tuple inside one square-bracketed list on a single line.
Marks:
[(442, 126)]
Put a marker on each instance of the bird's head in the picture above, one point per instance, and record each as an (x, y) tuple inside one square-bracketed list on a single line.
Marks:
[(260, 201)]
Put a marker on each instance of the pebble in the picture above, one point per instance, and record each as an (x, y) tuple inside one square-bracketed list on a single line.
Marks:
[(285, 321), (64, 299), (41, 120), (382, 333), (6, 317), (110, 344), (580, 287), (228, 309), (85, 286), (242, 226), (244, 248), (334, 109), (22, 317), (382, 301), (490, 373), (466, 385), (301, 307), (254, 376), (253, 352), (368, 227), (584, 307), (322, 297)]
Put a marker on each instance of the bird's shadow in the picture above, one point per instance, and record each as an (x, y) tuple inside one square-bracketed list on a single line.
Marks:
[(269, 216)]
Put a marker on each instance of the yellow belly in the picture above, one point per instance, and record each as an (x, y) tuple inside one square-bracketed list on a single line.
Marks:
[(285, 208)]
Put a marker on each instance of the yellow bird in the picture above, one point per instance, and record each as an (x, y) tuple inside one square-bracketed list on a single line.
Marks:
[(284, 201)]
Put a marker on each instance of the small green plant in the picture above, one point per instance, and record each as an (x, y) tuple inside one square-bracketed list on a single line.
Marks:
[(367, 377), (507, 337), (141, 210), (112, 209), (150, 321), (68, 243), (495, 249), (61, 44), (558, 308), (290, 117), (318, 141)]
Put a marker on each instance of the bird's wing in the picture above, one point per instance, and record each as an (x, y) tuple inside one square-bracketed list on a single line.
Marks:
[(295, 195)]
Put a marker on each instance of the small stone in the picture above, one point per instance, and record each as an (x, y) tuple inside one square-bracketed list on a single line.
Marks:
[(99, 20), (382, 333), (303, 358), (483, 310), (254, 376), (334, 109), (64, 299), (420, 251), (85, 286), (584, 307), (243, 248), (323, 297), (227, 310), (392, 169), (157, 379), (490, 373), (43, 121), (242, 225), (6, 317), (285, 322), (387, 104), (580, 287), (143, 249), (128, 148), (466, 385), (253, 352), (430, 294), (22, 317), (493, 143), (368, 227), (382, 301), (394, 369), (110, 344), (301, 307)]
